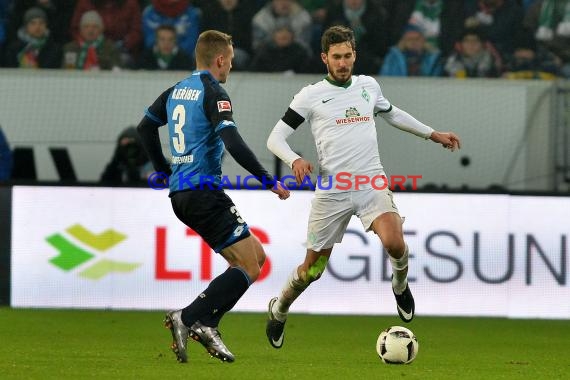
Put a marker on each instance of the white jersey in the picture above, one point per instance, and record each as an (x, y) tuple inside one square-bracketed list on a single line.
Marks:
[(342, 124)]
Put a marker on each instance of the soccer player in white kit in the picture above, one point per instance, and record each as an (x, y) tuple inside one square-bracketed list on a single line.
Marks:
[(340, 110)]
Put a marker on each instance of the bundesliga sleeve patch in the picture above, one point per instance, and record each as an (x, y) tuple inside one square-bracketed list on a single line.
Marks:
[(224, 105)]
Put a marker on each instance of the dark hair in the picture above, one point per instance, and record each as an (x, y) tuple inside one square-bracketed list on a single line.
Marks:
[(474, 32), (335, 35), (166, 27), (210, 44), (524, 39)]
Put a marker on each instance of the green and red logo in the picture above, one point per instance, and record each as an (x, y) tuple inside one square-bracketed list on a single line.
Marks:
[(71, 256)]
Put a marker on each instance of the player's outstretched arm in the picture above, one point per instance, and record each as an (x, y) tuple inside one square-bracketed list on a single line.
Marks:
[(406, 122), (281, 190), (448, 140), (402, 120), (239, 150)]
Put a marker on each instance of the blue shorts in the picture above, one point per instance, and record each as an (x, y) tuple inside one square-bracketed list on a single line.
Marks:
[(212, 214)]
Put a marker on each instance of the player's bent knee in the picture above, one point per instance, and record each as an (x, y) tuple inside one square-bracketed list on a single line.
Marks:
[(395, 247), (247, 254), (252, 269), (253, 273)]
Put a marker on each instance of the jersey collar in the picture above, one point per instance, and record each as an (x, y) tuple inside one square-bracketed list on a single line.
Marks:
[(339, 84), (199, 72)]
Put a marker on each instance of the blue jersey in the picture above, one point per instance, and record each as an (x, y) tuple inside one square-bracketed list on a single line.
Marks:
[(195, 109), (186, 24)]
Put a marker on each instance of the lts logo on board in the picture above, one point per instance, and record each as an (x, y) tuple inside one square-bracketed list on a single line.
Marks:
[(71, 256), (163, 272)]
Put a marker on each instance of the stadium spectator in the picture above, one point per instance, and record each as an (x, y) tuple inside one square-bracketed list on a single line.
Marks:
[(33, 47), (180, 14), (122, 24), (6, 158), (58, 13), (474, 57), (277, 13), (426, 15), (282, 54), (499, 20), (554, 19), (318, 11), (130, 163), (91, 50), (440, 20), (550, 21), (368, 20), (412, 56), (446, 20), (234, 18), (165, 54), (531, 60)]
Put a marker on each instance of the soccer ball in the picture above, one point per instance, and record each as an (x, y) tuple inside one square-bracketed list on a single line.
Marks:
[(397, 345)]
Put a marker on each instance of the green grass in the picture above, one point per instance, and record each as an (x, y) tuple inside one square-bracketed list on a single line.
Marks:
[(72, 344)]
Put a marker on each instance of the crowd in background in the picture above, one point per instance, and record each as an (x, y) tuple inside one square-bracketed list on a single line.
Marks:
[(456, 38)]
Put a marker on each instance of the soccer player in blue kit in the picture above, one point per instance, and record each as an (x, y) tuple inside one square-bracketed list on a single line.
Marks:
[(198, 112)]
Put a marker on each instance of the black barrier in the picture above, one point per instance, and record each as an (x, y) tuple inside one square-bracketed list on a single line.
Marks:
[(5, 233)]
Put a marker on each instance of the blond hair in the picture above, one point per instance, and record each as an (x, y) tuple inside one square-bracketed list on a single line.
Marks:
[(211, 43)]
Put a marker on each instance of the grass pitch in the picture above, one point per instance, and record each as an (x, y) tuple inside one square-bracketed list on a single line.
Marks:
[(73, 344)]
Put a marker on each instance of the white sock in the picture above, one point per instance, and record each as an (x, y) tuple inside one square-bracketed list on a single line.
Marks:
[(400, 272), (292, 289), (281, 317)]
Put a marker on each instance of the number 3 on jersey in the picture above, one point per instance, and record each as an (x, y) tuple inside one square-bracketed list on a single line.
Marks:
[(179, 117), (239, 219), (239, 229)]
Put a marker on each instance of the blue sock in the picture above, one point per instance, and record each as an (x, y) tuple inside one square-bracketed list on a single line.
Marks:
[(219, 297)]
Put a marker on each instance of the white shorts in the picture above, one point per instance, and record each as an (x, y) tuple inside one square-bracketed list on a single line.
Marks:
[(331, 212)]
